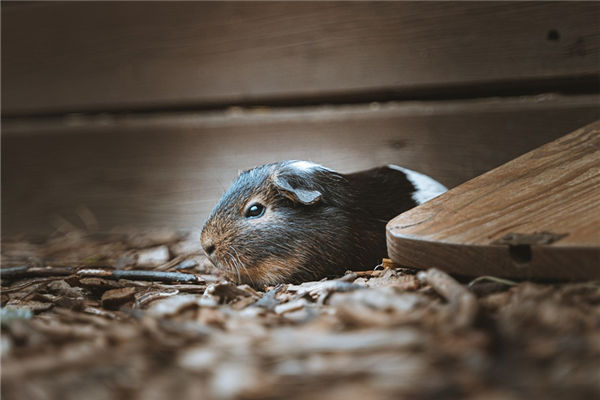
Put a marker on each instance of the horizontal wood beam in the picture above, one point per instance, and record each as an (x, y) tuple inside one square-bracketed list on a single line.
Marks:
[(79, 56)]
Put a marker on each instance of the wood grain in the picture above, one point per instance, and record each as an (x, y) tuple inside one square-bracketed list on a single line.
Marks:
[(554, 188), (80, 56), (170, 169)]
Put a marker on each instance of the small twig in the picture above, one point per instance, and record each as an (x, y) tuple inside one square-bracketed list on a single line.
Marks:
[(171, 263), (54, 273), (13, 271), (147, 297), (141, 275), (492, 279), (29, 283), (25, 271)]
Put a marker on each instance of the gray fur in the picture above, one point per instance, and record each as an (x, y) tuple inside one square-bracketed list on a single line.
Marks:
[(317, 222)]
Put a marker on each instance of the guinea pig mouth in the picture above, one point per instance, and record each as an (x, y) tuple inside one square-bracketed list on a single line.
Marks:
[(218, 263), (231, 265)]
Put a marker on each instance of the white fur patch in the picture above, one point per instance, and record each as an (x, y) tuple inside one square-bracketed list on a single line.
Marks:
[(307, 166), (426, 187)]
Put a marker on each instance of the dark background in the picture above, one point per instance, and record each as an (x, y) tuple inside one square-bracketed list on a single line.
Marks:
[(140, 114)]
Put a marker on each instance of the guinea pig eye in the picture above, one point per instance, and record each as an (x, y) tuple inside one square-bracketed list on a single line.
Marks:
[(255, 210)]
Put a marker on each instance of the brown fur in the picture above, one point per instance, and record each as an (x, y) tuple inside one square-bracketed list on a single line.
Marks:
[(317, 222)]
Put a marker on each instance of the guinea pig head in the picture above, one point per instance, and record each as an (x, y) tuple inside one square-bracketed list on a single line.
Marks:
[(277, 223)]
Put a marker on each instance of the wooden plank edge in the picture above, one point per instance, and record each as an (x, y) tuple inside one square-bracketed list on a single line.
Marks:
[(527, 262), (507, 261)]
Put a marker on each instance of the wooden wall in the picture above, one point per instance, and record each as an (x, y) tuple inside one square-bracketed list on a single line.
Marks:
[(144, 112), (82, 56)]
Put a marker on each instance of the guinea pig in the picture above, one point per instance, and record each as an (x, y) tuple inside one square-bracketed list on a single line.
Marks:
[(294, 221)]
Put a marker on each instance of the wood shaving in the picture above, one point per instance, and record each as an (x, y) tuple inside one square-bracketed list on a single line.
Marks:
[(75, 327)]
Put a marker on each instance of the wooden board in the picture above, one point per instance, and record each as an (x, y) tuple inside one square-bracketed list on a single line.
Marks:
[(537, 216), (170, 169), (80, 56)]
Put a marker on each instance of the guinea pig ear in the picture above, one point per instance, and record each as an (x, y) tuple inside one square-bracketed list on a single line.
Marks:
[(297, 195)]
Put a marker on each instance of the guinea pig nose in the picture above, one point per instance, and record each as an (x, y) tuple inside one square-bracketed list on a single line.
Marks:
[(208, 247)]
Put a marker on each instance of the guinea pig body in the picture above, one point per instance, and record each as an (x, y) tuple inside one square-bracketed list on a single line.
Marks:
[(294, 220)]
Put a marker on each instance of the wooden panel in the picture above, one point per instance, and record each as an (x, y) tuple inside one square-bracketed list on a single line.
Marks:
[(170, 170), (110, 55), (537, 216)]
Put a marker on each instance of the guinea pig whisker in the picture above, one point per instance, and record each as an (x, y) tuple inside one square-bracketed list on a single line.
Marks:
[(241, 264), (234, 265), (247, 273), (237, 269)]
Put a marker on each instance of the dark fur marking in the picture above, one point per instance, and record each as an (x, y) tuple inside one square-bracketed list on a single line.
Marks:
[(318, 222)]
